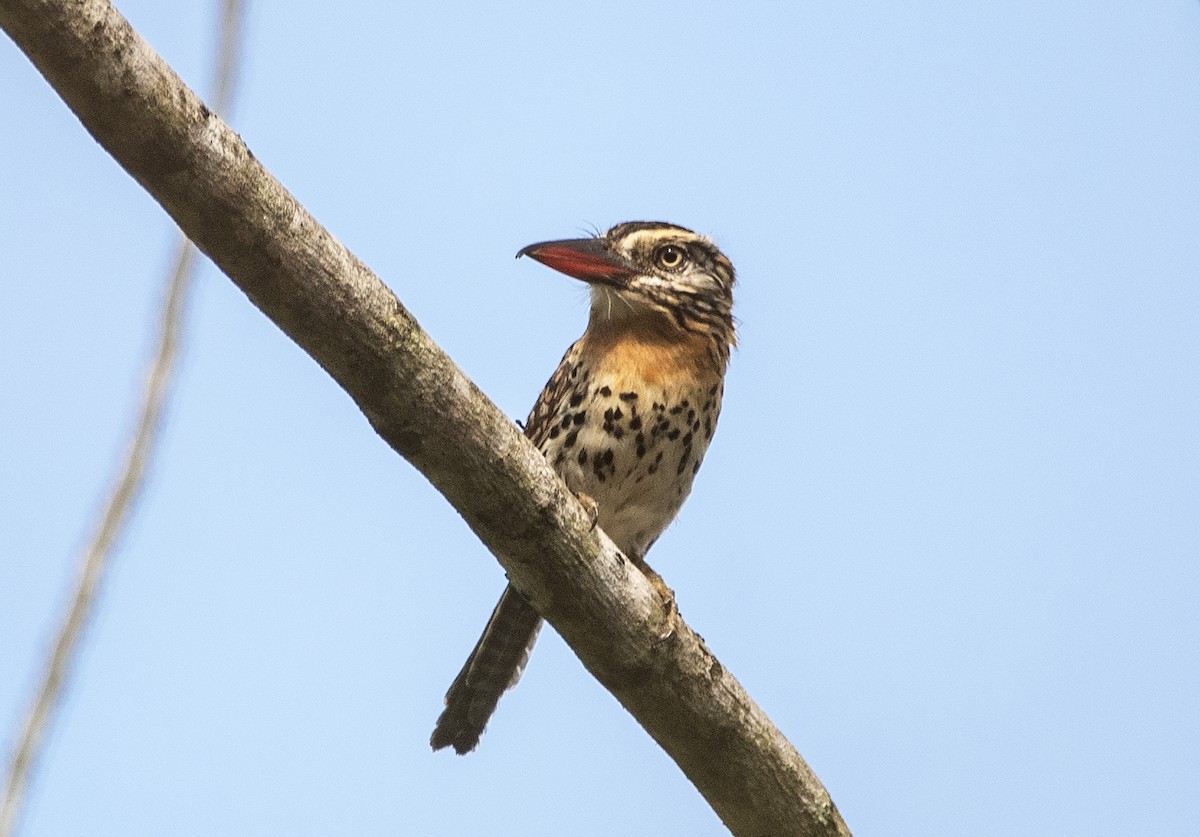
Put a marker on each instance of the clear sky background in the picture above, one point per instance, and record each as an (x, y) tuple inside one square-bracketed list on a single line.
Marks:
[(948, 533)]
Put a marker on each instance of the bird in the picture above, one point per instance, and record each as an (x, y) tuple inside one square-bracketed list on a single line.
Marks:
[(625, 419)]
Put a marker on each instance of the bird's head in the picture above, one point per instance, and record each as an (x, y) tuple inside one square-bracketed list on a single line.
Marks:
[(650, 269)]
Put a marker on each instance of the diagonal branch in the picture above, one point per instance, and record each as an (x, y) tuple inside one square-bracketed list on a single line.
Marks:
[(129, 481), (423, 406)]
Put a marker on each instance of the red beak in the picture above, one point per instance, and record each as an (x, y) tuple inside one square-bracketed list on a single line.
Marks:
[(589, 259)]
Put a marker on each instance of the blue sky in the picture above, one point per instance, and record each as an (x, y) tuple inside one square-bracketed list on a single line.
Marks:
[(949, 529)]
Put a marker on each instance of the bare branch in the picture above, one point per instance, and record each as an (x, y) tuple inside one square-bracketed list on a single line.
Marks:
[(426, 409), (128, 482)]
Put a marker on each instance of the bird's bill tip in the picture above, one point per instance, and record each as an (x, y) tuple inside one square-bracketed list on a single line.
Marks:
[(589, 259)]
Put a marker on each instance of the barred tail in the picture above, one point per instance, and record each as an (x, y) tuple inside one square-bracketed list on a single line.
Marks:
[(493, 667)]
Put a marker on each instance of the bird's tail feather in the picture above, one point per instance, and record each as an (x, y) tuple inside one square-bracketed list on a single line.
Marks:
[(493, 667)]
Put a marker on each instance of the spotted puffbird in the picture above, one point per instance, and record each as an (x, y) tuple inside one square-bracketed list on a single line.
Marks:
[(625, 420)]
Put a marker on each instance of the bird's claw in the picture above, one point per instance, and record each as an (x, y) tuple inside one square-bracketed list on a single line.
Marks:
[(670, 620), (589, 506), (670, 610)]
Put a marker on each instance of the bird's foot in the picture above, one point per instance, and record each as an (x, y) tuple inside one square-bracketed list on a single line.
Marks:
[(589, 506), (670, 610)]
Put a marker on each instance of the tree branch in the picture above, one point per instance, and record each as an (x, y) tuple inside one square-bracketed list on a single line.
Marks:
[(423, 406)]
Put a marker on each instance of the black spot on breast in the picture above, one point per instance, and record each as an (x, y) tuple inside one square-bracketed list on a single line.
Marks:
[(628, 396), (677, 409), (635, 423), (576, 399), (687, 440), (602, 464), (674, 434), (580, 417), (582, 458), (605, 391), (707, 428), (608, 421), (554, 431), (566, 422), (691, 416), (617, 414), (571, 437), (684, 460), (696, 467)]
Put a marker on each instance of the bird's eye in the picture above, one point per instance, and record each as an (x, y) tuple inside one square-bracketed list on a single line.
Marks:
[(669, 256)]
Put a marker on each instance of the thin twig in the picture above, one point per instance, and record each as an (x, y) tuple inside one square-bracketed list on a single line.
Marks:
[(130, 479)]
